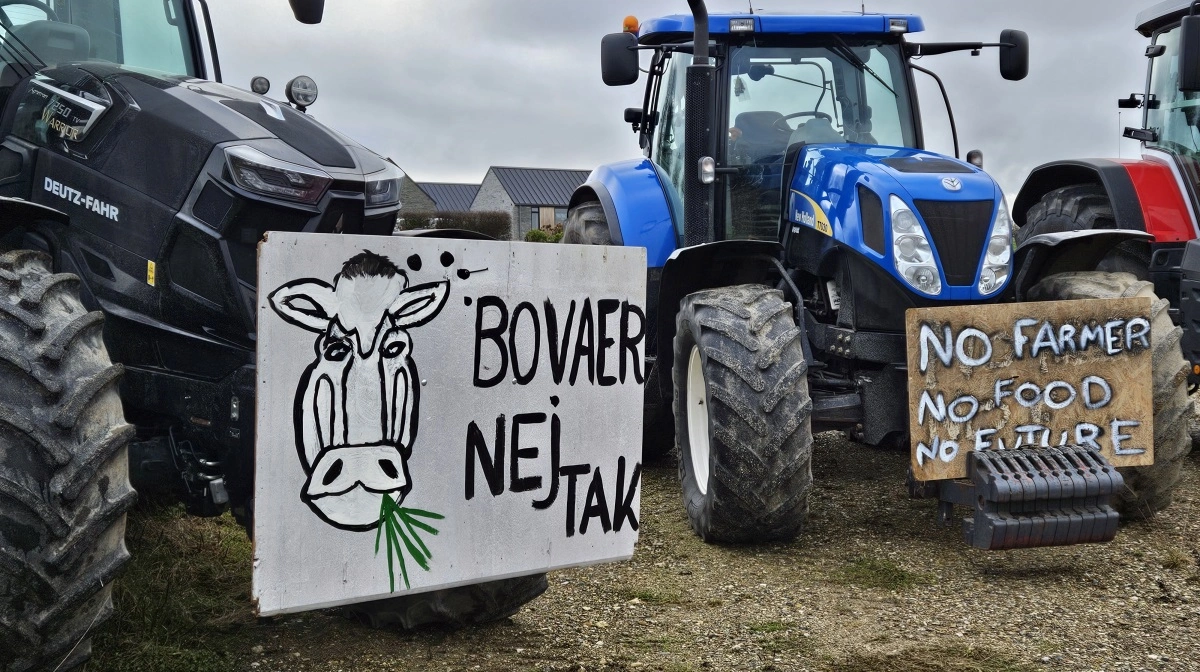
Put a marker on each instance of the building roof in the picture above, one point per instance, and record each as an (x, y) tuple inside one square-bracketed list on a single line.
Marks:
[(539, 186), (449, 197)]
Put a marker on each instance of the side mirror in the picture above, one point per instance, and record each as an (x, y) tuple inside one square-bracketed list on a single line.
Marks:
[(619, 59), (1014, 59), (1189, 54), (308, 11)]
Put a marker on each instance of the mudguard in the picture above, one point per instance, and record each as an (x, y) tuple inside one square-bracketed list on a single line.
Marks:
[(15, 212), (638, 203), (1147, 194), (1112, 175), (1050, 253)]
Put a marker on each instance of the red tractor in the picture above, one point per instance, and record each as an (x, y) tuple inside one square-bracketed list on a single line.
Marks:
[(1158, 194)]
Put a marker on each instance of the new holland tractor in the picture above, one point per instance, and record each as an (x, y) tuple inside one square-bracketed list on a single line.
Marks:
[(1158, 193), (134, 188), (791, 216)]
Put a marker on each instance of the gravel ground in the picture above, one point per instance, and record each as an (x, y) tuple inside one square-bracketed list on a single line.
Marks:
[(872, 584)]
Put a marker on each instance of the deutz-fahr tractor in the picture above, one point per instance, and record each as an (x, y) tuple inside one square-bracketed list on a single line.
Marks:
[(791, 217), (1158, 194), (135, 188)]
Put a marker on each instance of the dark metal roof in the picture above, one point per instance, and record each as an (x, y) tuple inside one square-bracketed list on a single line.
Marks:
[(448, 197), (540, 186)]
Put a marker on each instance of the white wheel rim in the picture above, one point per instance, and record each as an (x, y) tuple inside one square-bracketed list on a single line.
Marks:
[(697, 420)]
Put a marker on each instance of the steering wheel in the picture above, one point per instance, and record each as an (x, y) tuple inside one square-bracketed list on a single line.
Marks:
[(38, 4), (781, 123)]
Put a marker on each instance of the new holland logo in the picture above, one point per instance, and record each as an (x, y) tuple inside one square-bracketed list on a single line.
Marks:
[(952, 183)]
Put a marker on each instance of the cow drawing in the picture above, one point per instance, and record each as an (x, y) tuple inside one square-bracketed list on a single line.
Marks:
[(356, 406)]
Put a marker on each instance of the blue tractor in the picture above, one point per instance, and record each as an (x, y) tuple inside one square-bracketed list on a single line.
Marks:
[(790, 216)]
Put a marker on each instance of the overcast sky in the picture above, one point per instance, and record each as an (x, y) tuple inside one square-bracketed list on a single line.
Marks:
[(447, 88)]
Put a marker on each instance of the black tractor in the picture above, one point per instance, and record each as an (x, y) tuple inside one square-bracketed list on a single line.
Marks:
[(135, 188)]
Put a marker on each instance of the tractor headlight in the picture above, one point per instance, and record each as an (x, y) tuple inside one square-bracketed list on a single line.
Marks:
[(383, 188), (912, 252), (997, 260), (254, 171)]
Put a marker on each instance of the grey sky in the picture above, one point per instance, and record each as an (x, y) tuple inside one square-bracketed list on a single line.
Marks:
[(449, 87)]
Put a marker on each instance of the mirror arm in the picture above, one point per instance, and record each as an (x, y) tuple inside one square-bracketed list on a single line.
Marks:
[(945, 97), (936, 48)]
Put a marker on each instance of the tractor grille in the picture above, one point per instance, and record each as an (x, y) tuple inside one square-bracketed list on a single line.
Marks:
[(959, 230)]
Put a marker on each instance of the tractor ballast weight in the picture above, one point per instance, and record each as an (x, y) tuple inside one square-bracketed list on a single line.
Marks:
[(782, 260)]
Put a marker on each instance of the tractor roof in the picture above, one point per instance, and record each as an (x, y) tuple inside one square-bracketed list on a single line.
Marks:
[(668, 28), (1162, 14)]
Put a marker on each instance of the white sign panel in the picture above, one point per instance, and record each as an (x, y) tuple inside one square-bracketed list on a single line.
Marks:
[(435, 412)]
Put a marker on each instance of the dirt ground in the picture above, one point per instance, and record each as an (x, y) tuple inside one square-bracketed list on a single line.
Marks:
[(872, 584)]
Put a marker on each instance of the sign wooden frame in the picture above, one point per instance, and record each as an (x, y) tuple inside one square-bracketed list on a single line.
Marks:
[(1024, 374)]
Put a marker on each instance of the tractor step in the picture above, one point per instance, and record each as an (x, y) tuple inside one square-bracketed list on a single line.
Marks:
[(1035, 497)]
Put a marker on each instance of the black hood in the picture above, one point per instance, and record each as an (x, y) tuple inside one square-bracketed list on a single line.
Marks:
[(179, 121)]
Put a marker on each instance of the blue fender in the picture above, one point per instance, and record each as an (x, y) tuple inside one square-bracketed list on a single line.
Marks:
[(639, 205)]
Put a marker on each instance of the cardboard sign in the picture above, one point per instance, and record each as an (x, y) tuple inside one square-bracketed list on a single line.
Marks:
[(435, 412), (1018, 375)]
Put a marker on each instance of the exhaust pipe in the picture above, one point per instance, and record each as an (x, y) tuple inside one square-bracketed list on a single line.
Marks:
[(700, 19), (698, 134)]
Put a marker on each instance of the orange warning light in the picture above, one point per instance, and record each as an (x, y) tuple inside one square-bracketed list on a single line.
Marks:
[(630, 24), (1196, 369)]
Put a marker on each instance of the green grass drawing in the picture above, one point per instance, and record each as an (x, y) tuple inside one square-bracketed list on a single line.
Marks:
[(400, 525)]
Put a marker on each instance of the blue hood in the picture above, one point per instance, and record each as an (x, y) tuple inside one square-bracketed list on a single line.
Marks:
[(825, 195)]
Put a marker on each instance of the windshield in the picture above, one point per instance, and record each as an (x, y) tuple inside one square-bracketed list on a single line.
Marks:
[(1173, 115), (142, 34), (828, 91), (821, 94)]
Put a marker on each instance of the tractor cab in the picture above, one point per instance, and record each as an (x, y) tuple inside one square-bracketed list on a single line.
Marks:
[(804, 130), (1171, 104)]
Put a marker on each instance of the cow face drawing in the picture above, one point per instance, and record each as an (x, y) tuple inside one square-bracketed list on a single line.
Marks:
[(356, 406)]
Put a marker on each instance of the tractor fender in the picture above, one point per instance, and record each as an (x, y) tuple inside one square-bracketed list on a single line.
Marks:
[(1049, 253), (1110, 175), (639, 205), (691, 269), (17, 212), (1146, 194)]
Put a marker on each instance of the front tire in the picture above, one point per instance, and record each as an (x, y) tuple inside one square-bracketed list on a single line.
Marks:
[(742, 415), (64, 483), (1148, 489)]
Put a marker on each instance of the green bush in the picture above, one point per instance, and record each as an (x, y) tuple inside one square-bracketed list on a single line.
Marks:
[(494, 224), (544, 236)]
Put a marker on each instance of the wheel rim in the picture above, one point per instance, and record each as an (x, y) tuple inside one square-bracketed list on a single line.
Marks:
[(697, 419)]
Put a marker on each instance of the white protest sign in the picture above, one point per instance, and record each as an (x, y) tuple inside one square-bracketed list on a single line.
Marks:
[(1021, 375), (439, 412)]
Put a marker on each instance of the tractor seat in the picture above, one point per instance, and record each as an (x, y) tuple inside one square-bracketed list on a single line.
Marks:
[(761, 137), (53, 42)]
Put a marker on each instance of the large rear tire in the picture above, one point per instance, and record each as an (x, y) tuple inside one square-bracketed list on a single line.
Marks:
[(1083, 207), (1147, 489), (742, 415), (64, 484), (465, 605), (587, 225)]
